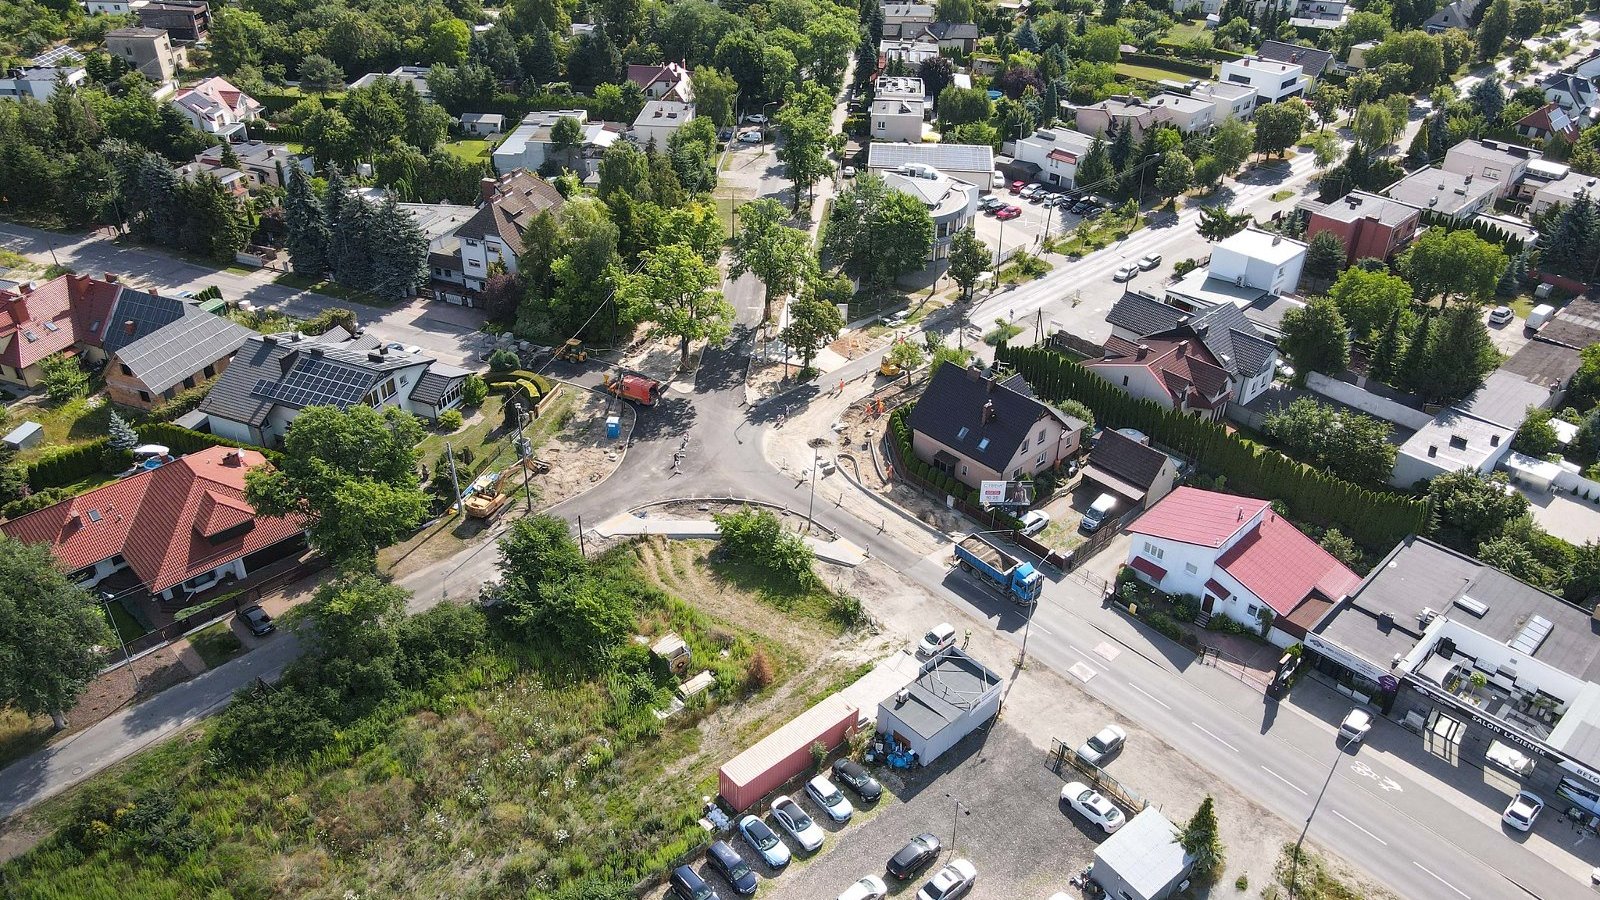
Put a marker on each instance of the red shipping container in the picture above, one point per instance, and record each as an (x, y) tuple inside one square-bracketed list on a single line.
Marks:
[(784, 753)]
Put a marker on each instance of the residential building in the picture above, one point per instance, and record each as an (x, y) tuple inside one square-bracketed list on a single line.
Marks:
[(39, 83), (1272, 80), (659, 120), (182, 20), (1190, 115), (1259, 259), (1142, 860), (667, 81), (1241, 559), (1448, 193), (59, 55), (529, 145), (952, 696), (1546, 122), (971, 163), (1588, 67), (416, 76), (1429, 621), (912, 53), (179, 529), (896, 15), (1239, 346), (1320, 14), (1456, 14), (1053, 154), (1108, 117), (36, 321), (1227, 99), (1575, 95), (1496, 161), (233, 181), (148, 51), (1541, 173), (493, 235), (175, 357), (1370, 225), (1358, 55), (951, 203), (1133, 470), (1564, 191), (111, 7), (482, 124), (898, 109), (265, 164), (1311, 60), (961, 37), (977, 428), (1178, 374), (274, 376), (1451, 442), (215, 106)]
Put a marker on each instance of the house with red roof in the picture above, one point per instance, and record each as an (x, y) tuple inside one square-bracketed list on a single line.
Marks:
[(667, 81), (1179, 372), (1241, 559), (180, 529), (64, 315)]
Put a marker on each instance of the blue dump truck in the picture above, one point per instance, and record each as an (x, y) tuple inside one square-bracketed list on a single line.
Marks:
[(1020, 580)]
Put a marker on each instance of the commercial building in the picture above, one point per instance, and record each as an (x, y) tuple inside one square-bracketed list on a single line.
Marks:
[(1370, 225), (969, 163), (977, 428), (950, 203), (1142, 860), (1053, 154), (952, 696)]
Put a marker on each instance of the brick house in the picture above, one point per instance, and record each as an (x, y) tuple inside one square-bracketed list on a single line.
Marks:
[(1369, 225), (173, 358)]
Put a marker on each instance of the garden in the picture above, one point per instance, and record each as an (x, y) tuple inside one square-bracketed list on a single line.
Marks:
[(1174, 615)]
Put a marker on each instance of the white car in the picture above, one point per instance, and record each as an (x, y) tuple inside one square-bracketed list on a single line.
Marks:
[(848, 171), (756, 119), (1524, 809), (1355, 726), (794, 820), (940, 637), (1501, 315), (750, 137), (952, 881), (868, 888), (1103, 745), (996, 180), (1149, 261), (1034, 521), (1092, 805), (824, 794), (1125, 273)]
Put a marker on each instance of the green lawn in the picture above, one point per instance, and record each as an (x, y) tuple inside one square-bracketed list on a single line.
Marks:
[(471, 150), (330, 288), (1150, 73), (216, 644), (482, 442), (73, 422), (1184, 32)]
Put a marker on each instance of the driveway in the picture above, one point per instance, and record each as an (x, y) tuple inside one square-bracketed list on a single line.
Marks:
[(1563, 515)]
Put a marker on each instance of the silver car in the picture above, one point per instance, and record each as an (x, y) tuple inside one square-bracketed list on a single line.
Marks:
[(1099, 749), (800, 826), (824, 794), (764, 841)]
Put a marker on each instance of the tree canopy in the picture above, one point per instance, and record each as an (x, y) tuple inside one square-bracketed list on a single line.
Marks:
[(49, 631)]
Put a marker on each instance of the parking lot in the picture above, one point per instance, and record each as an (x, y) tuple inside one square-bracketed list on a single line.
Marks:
[(1026, 229)]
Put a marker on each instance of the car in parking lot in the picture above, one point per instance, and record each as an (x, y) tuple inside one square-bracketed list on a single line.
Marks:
[(939, 637), (256, 619), (1355, 726), (855, 776), (1093, 805), (731, 866), (688, 885), (800, 826), (990, 204), (1034, 521), (1008, 212), (1149, 261), (725, 135), (1501, 315), (764, 841), (1104, 745), (1125, 273), (916, 855), (848, 171), (1094, 211), (950, 882), (1523, 810), (750, 137), (868, 888), (827, 796), (756, 119), (1017, 186), (996, 180)]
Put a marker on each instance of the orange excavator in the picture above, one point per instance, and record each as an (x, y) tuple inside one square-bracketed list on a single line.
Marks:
[(633, 387)]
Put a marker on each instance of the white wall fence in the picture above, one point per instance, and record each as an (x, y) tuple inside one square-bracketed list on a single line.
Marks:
[(1367, 402)]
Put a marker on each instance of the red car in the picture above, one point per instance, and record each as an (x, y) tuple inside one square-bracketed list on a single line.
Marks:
[(1008, 212), (1017, 186)]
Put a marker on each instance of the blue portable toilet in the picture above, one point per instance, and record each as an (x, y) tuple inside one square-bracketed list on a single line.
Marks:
[(613, 427)]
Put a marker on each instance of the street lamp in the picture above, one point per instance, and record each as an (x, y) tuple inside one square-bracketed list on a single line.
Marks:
[(815, 453), (955, 819), (1294, 867), (764, 124), (107, 597)]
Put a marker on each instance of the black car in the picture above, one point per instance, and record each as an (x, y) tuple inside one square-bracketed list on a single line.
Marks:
[(727, 861), (850, 773), (915, 856), (256, 619), (688, 885)]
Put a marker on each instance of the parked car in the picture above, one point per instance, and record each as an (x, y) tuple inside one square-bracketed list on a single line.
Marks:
[(1149, 261), (1079, 207), (996, 180), (990, 204), (1093, 805), (950, 882), (731, 866), (1008, 212), (256, 619), (855, 776), (1034, 521), (764, 841), (868, 888), (1125, 273), (1501, 315), (1524, 809), (1017, 186), (940, 637), (1105, 744), (1355, 725), (688, 885), (916, 855), (1093, 212), (756, 119), (725, 135), (825, 795), (750, 137), (848, 171), (794, 820)]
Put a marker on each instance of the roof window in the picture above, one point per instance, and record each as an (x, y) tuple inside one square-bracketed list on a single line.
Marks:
[(94, 515), (30, 336), (962, 434), (51, 326), (983, 444)]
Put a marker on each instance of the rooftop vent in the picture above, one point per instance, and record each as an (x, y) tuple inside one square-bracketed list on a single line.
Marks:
[(1457, 442), (1433, 450), (1475, 607), (1532, 635)]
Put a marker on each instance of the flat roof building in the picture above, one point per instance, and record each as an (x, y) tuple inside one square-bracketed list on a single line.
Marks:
[(952, 696), (1142, 860), (1453, 194)]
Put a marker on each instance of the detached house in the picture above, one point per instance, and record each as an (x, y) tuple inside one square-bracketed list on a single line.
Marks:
[(1241, 559), (215, 106), (1370, 226), (265, 164), (175, 530), (1133, 470), (1052, 155), (667, 81), (1239, 346), (182, 20), (1497, 161), (461, 264), (172, 358), (976, 428), (1575, 94), (148, 51), (1546, 122), (1179, 374)]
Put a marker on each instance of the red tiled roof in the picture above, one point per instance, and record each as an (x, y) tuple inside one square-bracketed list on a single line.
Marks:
[(164, 521), (1185, 368), (91, 308), (1550, 119), (1149, 568), (1192, 516), (1280, 565), (69, 304), (1216, 588)]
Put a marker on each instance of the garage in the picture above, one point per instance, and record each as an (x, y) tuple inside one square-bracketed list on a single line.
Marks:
[(952, 696), (1143, 859)]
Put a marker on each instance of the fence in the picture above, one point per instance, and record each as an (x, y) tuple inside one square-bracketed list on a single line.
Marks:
[(1099, 779), (1367, 401), (231, 603), (1221, 661), (1105, 534)]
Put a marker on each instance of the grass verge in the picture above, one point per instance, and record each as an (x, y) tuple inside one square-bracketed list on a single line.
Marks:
[(21, 734), (331, 289), (216, 644)]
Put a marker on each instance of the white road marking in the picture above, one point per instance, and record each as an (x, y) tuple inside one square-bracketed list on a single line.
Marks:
[(1440, 880), (1153, 698), (1108, 651), (1214, 737), (1360, 829), (1286, 781), (1045, 630), (1083, 672)]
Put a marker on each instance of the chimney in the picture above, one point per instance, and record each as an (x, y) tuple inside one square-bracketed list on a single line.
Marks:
[(1494, 440), (26, 288), (487, 189), (1238, 512), (988, 411), (1433, 450), (1183, 348), (1144, 350), (991, 381), (113, 278), (127, 326), (233, 458), (287, 361)]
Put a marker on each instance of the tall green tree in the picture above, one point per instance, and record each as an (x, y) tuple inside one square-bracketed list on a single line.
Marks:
[(878, 233), (1217, 223), (566, 137), (805, 125), (1455, 265), (1384, 364), (1460, 353), (1348, 444), (1279, 125), (675, 291), (1175, 173), (970, 257), (49, 629), (1315, 338), (769, 249), (1201, 839), (714, 92), (1325, 255), (1494, 28), (1095, 168), (1473, 508), (813, 322), (1232, 142), (1368, 300)]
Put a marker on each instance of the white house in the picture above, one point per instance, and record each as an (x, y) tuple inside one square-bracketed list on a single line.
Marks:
[(1259, 259), (659, 120), (898, 109), (529, 146), (39, 82), (667, 81), (1241, 559), (913, 53), (1055, 152), (1227, 99), (1271, 79), (1496, 161), (465, 259), (1575, 94), (215, 106), (483, 124), (951, 203)]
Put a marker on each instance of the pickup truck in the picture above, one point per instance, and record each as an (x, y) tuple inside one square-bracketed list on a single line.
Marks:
[(1018, 579)]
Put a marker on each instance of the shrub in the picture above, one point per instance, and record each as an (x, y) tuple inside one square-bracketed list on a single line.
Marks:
[(474, 390), (64, 466), (450, 420), (322, 321), (758, 672), (819, 755), (846, 610), (266, 729), (1163, 623), (183, 402), (502, 361), (64, 378)]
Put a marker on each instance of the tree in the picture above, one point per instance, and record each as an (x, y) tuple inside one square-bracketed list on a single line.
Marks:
[(64, 379), (1460, 353), (936, 72), (351, 473), (1175, 174), (1315, 338), (1384, 363), (1420, 52), (1348, 444), (1342, 548), (770, 250), (551, 596), (1325, 255), (1372, 125), (594, 59), (1325, 148), (1208, 172), (1202, 842), (306, 221), (49, 629), (955, 11), (1217, 223), (958, 106), (1279, 125), (1455, 265), (1489, 97), (1494, 28), (1536, 437), (1367, 300), (1574, 241), (121, 434), (970, 257), (1095, 168), (804, 125), (349, 608), (878, 233), (675, 290), (813, 322), (1231, 143), (566, 136), (714, 91), (1474, 508), (1327, 101), (906, 355), (543, 66)]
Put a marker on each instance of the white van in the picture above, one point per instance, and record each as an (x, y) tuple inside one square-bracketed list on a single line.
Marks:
[(1098, 512), (1540, 315)]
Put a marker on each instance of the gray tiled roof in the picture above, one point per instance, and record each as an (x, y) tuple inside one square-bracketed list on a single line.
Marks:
[(1225, 330), (176, 351), (953, 403), (433, 384), (139, 314), (1127, 459), (1310, 59)]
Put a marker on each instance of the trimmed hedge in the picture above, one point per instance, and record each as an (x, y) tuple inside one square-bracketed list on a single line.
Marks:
[(540, 385), (1199, 70), (935, 478), (1374, 518), (67, 465)]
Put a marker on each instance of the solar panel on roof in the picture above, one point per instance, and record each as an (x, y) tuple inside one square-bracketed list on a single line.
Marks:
[(316, 382)]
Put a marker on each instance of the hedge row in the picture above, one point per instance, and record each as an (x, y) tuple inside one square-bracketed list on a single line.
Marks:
[(1376, 519), (540, 384), (1199, 70), (933, 477), (182, 440), (67, 465)]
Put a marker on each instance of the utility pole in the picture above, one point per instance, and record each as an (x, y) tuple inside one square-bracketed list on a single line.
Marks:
[(455, 485), (524, 449), (582, 546), (810, 507)]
